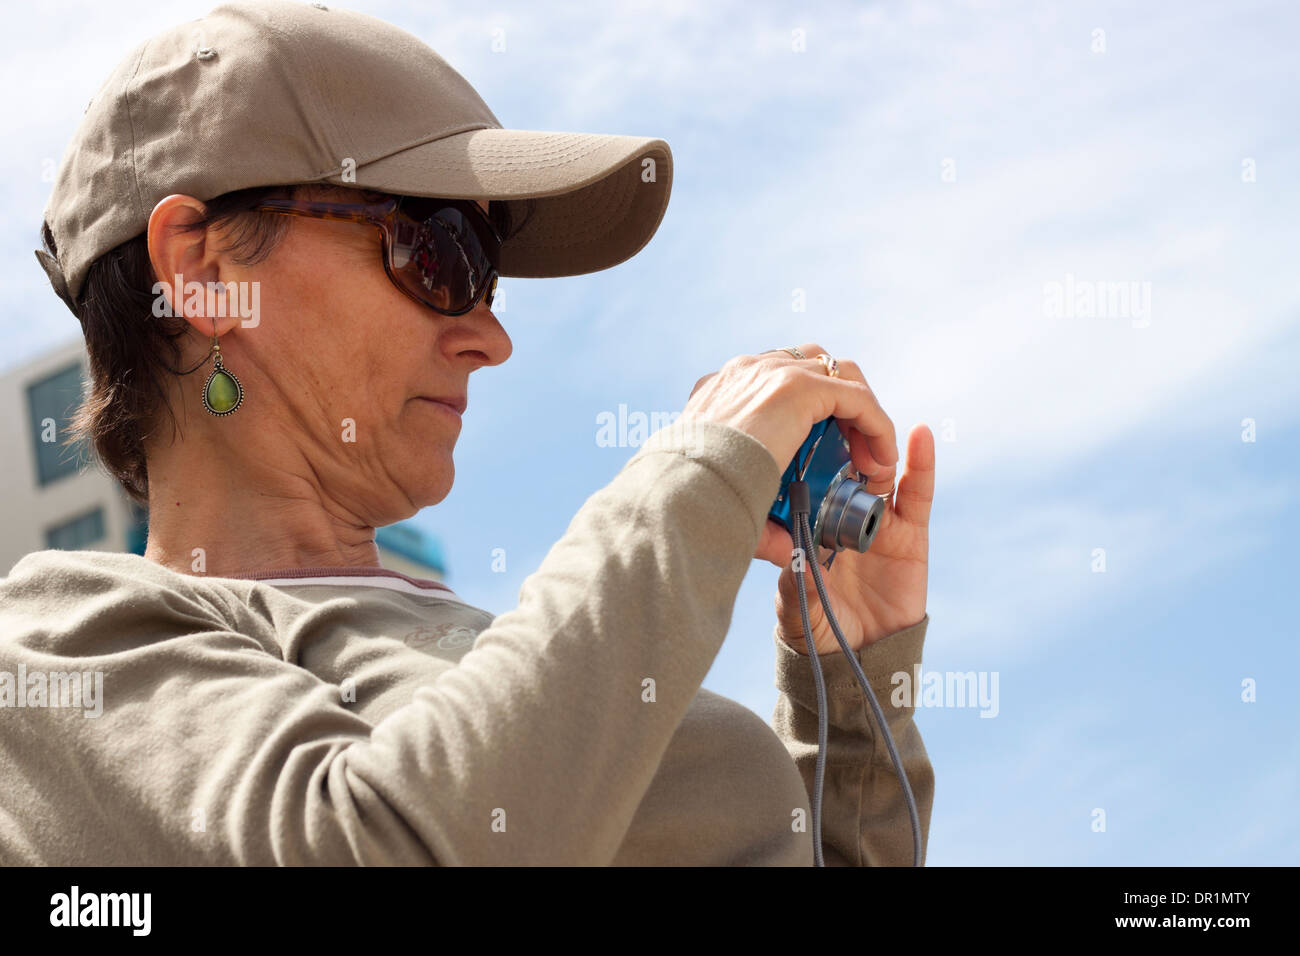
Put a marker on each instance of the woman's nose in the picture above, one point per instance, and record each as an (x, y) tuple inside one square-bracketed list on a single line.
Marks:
[(479, 330)]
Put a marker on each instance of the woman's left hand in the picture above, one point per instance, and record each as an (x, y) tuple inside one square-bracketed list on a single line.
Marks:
[(872, 594)]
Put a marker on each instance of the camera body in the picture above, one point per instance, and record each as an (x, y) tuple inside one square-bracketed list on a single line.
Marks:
[(842, 513)]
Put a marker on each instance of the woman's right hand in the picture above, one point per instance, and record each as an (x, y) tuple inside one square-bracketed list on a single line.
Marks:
[(777, 399)]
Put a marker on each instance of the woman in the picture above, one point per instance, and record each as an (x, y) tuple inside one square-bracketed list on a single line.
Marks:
[(270, 694)]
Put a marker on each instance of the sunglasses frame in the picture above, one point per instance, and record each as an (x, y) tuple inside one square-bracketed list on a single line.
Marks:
[(383, 216)]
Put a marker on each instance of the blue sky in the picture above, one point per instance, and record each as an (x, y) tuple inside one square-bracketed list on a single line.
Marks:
[(925, 172)]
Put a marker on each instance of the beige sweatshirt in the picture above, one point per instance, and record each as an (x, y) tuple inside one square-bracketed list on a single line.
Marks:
[(342, 716)]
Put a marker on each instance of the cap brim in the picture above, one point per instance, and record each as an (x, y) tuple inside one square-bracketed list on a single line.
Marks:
[(586, 201)]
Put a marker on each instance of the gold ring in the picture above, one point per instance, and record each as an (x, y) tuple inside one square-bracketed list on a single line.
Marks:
[(793, 350), (832, 366)]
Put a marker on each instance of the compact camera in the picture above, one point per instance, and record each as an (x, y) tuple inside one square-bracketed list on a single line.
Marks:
[(842, 513)]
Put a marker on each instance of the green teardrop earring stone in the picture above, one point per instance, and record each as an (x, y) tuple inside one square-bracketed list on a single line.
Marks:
[(222, 392)]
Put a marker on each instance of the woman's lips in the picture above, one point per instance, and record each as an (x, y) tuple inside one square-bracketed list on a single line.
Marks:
[(454, 405)]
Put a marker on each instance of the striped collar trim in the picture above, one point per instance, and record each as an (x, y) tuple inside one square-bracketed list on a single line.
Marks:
[(351, 577)]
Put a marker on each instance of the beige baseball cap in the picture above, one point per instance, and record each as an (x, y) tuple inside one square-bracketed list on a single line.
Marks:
[(279, 92)]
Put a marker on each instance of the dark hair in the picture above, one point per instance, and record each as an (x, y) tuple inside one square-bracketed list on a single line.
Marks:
[(130, 350)]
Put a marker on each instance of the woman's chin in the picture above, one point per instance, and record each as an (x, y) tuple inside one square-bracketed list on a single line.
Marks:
[(433, 484)]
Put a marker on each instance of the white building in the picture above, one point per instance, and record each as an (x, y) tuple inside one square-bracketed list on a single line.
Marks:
[(59, 497)]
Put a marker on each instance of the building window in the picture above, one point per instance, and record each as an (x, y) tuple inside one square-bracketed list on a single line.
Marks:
[(406, 540), (51, 402), (137, 529), (77, 533)]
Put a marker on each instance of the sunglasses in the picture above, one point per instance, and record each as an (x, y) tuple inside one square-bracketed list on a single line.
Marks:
[(443, 253)]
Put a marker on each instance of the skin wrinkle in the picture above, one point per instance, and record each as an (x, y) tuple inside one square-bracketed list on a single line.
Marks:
[(274, 485)]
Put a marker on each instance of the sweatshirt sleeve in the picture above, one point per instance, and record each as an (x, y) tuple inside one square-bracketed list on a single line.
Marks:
[(864, 814), (536, 748)]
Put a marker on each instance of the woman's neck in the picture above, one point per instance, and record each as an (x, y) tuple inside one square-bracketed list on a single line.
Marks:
[(214, 520)]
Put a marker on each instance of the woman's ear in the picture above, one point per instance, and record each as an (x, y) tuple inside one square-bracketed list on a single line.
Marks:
[(186, 264)]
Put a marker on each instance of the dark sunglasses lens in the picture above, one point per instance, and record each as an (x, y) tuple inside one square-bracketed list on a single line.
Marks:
[(438, 255)]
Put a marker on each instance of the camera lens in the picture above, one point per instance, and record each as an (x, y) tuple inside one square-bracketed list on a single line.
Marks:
[(850, 516)]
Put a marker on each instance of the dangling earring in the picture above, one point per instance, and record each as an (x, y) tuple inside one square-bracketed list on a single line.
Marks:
[(222, 393)]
